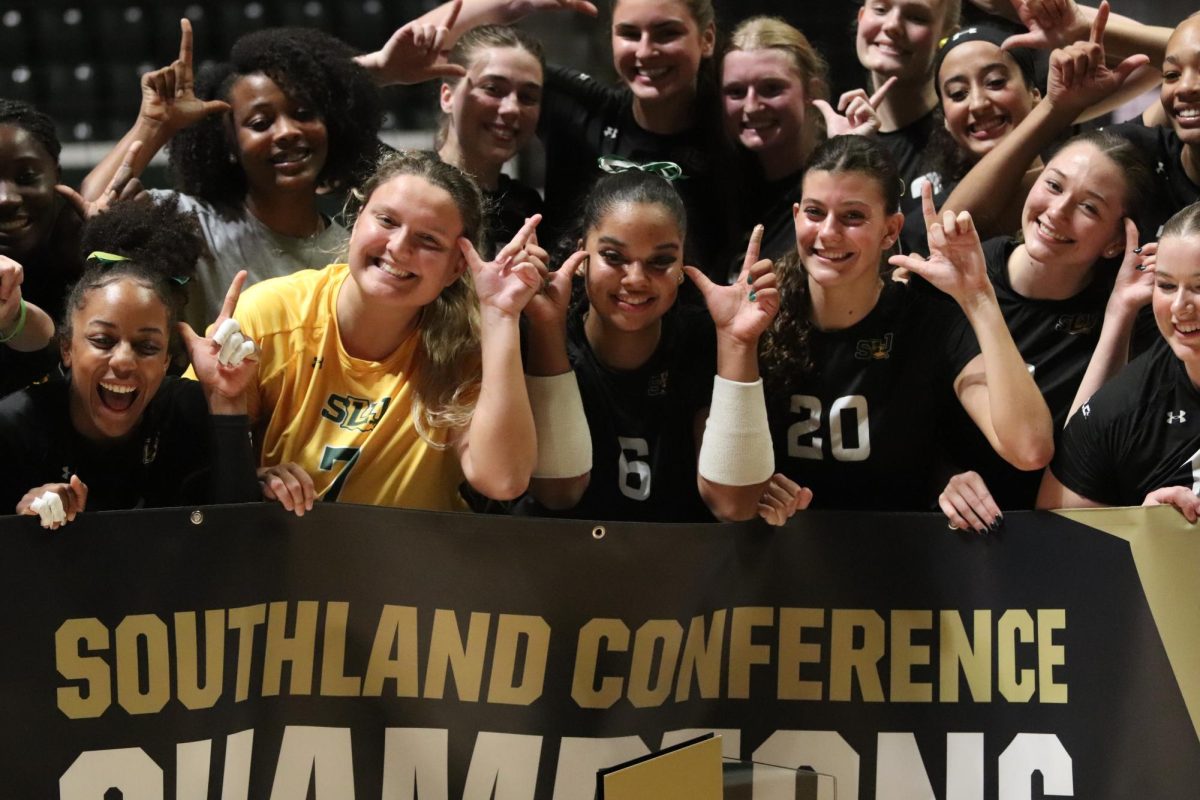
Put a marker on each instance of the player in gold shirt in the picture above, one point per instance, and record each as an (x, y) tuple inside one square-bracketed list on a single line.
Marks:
[(390, 379)]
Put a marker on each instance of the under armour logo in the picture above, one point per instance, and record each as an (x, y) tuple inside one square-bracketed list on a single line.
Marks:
[(610, 132), (318, 361), (1086, 409), (1176, 416), (1161, 168), (66, 474)]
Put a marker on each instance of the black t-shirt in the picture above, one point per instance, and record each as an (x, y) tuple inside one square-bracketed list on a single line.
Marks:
[(1056, 338), (1138, 433), (907, 146), (166, 462), (642, 423), (863, 428), (508, 207), (583, 119), (1174, 189), (768, 203)]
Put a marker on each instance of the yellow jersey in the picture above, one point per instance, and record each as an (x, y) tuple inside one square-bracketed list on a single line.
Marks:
[(347, 421)]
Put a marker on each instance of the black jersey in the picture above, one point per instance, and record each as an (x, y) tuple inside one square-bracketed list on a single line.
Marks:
[(583, 119), (507, 209), (907, 146), (1138, 433), (643, 423), (766, 203), (1056, 338), (167, 461), (862, 428), (1174, 190)]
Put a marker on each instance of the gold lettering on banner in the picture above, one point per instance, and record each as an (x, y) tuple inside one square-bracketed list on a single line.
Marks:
[(244, 620), (299, 649), (153, 631), (511, 631), (614, 634), (91, 699), (397, 633), (650, 687), (187, 658), (794, 651), (743, 653), (334, 680), (975, 660), (1016, 686), (1050, 655), (848, 661), (464, 659), (905, 655), (702, 658), (806, 654)]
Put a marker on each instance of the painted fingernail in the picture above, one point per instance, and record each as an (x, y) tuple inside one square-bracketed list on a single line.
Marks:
[(1141, 267), (753, 296), (1138, 250)]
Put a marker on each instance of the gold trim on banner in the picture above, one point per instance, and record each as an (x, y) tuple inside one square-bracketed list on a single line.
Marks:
[(1166, 552)]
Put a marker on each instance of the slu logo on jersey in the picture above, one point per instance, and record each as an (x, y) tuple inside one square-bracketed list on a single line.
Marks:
[(1076, 324), (354, 413), (874, 349), (657, 384)]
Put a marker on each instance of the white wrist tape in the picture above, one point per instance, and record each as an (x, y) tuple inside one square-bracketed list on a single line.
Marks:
[(736, 449), (50, 508), (564, 441)]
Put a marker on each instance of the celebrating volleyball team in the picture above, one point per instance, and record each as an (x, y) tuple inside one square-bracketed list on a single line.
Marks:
[(736, 296)]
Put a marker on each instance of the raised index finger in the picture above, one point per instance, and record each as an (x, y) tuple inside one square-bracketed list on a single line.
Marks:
[(453, 18), (928, 210), (185, 41), (1098, 24), (752, 249), (231, 296), (877, 98), (518, 242)]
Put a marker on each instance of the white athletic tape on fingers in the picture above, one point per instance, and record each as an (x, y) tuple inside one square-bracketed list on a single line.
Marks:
[(226, 329), (230, 348), (50, 508), (564, 441), (244, 351), (736, 449)]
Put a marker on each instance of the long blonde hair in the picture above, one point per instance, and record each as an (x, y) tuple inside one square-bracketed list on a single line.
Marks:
[(447, 373)]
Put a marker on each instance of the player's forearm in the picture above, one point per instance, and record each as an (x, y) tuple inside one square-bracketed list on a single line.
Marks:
[(1110, 355), (993, 185), (502, 440), (154, 137), (1021, 422)]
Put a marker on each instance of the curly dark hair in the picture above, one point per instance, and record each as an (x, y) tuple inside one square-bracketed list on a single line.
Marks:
[(310, 66), (38, 124), (785, 349), (160, 244)]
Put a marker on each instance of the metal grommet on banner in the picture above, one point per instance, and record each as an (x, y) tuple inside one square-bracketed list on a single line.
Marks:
[(197, 517), (598, 532)]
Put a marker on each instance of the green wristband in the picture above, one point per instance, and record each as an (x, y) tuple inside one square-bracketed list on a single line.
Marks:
[(20, 325)]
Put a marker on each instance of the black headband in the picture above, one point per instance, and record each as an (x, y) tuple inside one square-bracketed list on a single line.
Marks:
[(986, 32)]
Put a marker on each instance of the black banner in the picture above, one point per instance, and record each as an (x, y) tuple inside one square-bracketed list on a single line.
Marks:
[(240, 652)]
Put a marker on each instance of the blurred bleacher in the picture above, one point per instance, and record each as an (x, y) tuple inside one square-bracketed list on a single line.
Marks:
[(81, 60)]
